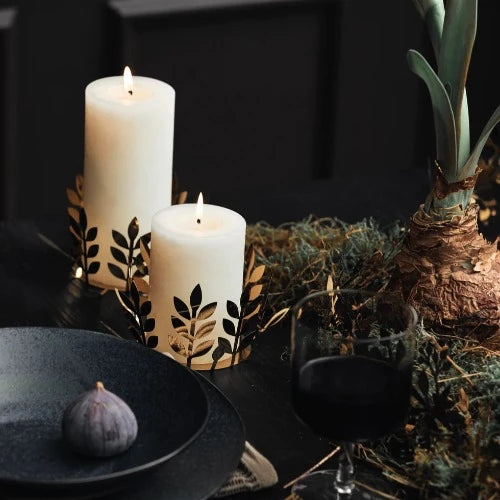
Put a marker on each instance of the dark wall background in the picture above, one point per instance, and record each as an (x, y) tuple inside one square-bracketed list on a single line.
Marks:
[(289, 106)]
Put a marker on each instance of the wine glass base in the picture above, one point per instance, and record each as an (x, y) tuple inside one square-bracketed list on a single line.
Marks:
[(320, 485)]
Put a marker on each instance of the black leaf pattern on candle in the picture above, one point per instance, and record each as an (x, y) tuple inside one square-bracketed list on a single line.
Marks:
[(232, 309), (92, 234), (134, 301), (83, 220), (223, 347), (251, 302), (145, 308), (116, 271), (137, 308), (80, 233), (133, 229), (192, 327), (93, 267), (152, 341), (228, 325), (143, 257), (118, 255), (92, 251), (148, 324), (182, 308), (179, 325), (132, 252), (191, 324), (119, 239), (88, 252), (195, 299), (75, 226)]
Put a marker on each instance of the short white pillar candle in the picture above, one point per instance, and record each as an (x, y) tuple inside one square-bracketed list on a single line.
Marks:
[(190, 247), (129, 129)]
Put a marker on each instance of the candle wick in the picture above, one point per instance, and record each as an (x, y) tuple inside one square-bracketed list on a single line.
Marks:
[(198, 221), (130, 92)]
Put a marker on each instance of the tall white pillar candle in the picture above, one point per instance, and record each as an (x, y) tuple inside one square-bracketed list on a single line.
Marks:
[(129, 129), (190, 248)]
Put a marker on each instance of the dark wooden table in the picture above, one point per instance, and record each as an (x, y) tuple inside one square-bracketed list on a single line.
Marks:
[(36, 289)]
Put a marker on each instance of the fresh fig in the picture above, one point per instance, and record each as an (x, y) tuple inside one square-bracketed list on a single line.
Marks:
[(99, 424)]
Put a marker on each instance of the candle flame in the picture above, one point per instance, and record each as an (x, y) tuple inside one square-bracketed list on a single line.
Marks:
[(128, 82), (199, 208)]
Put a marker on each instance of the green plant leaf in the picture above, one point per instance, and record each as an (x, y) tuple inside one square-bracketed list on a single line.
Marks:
[(444, 122), (464, 138), (432, 11), (470, 166), (458, 199), (459, 32)]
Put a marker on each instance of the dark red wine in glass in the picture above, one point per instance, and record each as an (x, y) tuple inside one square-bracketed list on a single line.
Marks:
[(334, 395), (352, 358)]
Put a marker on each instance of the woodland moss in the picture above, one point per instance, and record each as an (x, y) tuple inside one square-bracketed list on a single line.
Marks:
[(451, 443)]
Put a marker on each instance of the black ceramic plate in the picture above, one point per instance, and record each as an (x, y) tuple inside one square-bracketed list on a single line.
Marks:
[(43, 369), (193, 474), (201, 468)]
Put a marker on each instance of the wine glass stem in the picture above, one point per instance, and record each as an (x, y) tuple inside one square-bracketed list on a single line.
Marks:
[(344, 482)]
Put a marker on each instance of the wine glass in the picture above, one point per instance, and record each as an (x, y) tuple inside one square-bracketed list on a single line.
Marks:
[(352, 358)]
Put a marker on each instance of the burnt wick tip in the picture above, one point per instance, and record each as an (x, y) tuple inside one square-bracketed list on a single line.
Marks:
[(130, 92), (198, 221)]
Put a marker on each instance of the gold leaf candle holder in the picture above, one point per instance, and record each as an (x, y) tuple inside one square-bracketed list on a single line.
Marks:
[(195, 338)]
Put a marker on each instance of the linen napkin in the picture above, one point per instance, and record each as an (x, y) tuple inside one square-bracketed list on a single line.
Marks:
[(254, 472)]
